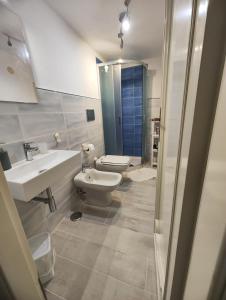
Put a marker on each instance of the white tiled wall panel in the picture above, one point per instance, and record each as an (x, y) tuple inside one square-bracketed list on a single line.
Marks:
[(55, 112)]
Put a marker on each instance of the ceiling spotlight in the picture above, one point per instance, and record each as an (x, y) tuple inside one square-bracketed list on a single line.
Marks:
[(127, 2), (124, 20), (125, 23)]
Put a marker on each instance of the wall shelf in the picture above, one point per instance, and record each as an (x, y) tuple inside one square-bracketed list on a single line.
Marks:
[(155, 135)]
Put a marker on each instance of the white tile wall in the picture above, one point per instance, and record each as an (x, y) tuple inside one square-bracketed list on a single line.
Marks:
[(20, 122)]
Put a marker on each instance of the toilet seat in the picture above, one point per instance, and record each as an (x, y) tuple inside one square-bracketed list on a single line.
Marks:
[(113, 163), (115, 160)]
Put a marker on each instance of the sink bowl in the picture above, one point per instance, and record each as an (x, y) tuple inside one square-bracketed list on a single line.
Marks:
[(27, 179)]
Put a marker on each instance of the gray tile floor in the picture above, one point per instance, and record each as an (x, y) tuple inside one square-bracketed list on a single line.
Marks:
[(109, 253)]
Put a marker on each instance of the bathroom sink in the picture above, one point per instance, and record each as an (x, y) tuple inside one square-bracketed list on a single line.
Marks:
[(27, 179)]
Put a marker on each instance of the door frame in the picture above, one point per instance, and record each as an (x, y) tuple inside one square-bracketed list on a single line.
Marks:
[(16, 260), (211, 68), (165, 64), (210, 74)]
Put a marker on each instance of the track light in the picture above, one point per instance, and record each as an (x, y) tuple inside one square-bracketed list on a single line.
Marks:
[(124, 20), (120, 36), (125, 23), (121, 43), (9, 43)]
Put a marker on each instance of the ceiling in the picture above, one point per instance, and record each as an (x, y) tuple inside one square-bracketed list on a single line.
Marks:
[(96, 21), (10, 24)]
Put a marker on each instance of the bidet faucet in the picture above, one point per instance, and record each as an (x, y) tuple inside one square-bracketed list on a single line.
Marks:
[(28, 150), (84, 167)]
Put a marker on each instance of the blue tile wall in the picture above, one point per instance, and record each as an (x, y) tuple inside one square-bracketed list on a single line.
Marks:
[(132, 110)]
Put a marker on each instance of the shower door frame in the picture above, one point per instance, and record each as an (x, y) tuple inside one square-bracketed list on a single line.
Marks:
[(116, 76), (118, 107)]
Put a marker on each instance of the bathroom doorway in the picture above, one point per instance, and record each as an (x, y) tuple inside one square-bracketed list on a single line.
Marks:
[(124, 107)]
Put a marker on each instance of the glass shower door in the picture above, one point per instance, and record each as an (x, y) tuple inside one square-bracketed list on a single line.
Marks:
[(110, 86)]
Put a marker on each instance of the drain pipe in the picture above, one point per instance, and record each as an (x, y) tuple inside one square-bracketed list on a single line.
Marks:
[(50, 200)]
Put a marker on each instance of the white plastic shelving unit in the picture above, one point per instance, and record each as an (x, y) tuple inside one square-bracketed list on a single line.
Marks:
[(155, 134)]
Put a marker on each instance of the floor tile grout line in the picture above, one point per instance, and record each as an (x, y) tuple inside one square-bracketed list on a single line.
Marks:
[(130, 217), (124, 227), (98, 244), (107, 225), (49, 291), (108, 214), (79, 237), (77, 263), (102, 273), (69, 230), (146, 275), (55, 229)]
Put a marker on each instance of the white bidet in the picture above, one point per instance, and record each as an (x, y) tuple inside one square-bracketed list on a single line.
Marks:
[(98, 185)]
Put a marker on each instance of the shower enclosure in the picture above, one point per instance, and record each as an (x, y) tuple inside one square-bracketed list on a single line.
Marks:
[(124, 107)]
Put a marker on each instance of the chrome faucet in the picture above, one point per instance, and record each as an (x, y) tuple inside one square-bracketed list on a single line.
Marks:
[(28, 150), (84, 167)]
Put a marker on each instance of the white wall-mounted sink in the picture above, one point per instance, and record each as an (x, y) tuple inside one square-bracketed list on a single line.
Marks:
[(27, 179)]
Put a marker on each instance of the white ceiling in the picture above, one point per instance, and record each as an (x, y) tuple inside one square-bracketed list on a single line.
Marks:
[(96, 21), (10, 23)]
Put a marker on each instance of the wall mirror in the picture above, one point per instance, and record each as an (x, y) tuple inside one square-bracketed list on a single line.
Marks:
[(16, 78)]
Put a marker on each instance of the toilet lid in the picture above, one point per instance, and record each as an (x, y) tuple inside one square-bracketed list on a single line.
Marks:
[(115, 159)]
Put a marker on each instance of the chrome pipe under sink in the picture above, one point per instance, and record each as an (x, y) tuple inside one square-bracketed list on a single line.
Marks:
[(50, 200)]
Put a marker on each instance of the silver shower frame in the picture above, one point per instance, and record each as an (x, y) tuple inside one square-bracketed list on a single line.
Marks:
[(145, 102), (122, 62)]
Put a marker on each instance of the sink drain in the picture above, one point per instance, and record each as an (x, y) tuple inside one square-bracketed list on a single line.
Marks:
[(76, 216)]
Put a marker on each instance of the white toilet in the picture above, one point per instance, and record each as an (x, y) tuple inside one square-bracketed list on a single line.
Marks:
[(113, 163), (98, 185)]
